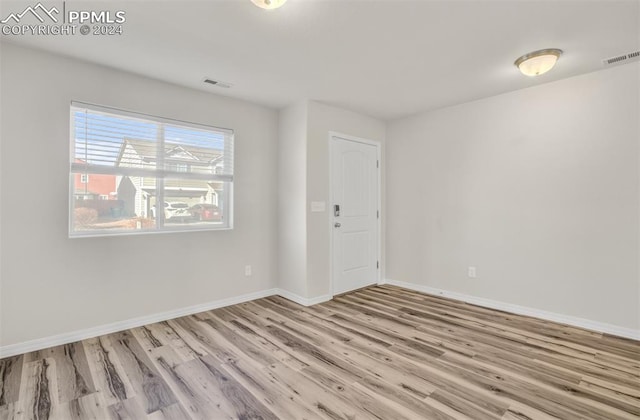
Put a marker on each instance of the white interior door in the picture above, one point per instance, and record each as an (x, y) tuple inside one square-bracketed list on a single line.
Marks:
[(354, 208)]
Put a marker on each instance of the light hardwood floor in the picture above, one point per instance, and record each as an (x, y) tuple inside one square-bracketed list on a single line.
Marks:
[(382, 352)]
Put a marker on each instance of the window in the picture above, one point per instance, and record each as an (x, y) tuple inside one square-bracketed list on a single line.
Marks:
[(134, 173), (180, 167)]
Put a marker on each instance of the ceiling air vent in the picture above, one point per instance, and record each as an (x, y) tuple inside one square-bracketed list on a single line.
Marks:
[(622, 59), (217, 83)]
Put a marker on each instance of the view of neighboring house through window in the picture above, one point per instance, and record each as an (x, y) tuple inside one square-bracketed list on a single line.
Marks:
[(134, 173)]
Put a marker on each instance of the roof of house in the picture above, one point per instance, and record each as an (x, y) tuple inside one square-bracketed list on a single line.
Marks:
[(173, 152)]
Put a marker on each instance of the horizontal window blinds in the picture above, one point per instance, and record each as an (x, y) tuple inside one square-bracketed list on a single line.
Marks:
[(114, 142)]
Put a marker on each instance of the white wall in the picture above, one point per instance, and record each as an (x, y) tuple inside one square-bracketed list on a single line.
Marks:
[(303, 177), (321, 120), (538, 188), (52, 284), (292, 199)]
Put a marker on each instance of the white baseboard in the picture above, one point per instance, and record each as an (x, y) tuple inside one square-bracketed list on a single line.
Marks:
[(301, 300), (522, 310), (60, 339), (71, 337)]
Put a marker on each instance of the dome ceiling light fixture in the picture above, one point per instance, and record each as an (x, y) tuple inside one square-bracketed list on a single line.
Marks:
[(538, 62), (269, 4)]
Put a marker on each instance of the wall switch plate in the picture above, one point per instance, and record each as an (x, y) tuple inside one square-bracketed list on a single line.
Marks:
[(471, 272), (247, 270), (318, 206)]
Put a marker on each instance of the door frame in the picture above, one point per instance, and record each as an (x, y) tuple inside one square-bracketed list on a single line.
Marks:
[(378, 146)]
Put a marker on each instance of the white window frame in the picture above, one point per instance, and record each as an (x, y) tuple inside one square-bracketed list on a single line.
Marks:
[(84, 178), (159, 174)]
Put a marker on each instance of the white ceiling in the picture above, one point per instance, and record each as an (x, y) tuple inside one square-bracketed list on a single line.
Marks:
[(384, 58)]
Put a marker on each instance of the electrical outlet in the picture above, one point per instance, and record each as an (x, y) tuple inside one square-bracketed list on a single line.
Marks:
[(471, 272), (247, 270)]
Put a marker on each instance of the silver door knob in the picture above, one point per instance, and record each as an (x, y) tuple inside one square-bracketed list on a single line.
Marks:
[(337, 225)]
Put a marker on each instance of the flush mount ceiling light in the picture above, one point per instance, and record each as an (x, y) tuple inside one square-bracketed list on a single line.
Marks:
[(538, 62), (269, 4)]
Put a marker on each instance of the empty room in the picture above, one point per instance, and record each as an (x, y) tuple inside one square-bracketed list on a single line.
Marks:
[(320, 209)]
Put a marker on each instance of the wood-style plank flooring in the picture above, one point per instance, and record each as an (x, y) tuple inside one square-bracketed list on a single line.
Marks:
[(377, 353)]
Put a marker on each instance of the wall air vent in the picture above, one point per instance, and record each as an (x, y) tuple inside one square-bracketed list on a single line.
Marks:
[(622, 59), (217, 83)]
